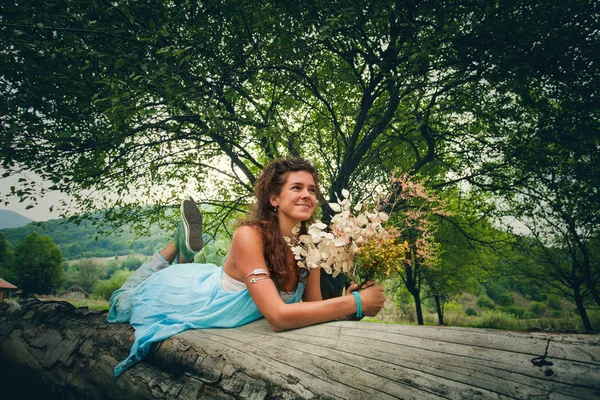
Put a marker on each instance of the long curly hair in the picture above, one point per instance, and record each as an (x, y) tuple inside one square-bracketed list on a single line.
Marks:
[(265, 219)]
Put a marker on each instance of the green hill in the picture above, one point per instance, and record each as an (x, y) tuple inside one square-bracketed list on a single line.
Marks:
[(84, 240)]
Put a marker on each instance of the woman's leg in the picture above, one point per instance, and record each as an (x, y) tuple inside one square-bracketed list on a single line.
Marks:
[(186, 243), (121, 300)]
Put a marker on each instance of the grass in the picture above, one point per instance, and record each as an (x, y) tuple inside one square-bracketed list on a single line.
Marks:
[(92, 304), (499, 320), (565, 320)]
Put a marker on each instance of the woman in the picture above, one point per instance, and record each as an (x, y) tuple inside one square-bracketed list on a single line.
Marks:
[(259, 277)]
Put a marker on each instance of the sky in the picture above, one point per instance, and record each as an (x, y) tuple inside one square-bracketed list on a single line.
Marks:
[(39, 212)]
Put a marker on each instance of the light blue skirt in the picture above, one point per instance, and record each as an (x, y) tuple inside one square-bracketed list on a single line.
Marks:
[(182, 297)]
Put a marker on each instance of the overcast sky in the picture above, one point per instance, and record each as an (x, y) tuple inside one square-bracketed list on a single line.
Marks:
[(37, 213)]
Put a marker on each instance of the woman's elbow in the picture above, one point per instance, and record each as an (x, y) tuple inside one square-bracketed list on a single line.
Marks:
[(281, 319), (278, 324)]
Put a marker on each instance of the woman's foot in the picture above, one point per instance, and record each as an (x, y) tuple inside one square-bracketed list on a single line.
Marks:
[(188, 238)]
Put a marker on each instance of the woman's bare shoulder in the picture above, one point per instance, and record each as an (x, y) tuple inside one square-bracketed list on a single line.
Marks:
[(247, 234), (247, 249)]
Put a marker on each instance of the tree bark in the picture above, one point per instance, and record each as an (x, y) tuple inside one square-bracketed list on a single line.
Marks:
[(53, 350), (578, 297), (413, 285), (439, 307)]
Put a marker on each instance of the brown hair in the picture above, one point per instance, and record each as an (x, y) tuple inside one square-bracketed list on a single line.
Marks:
[(264, 218)]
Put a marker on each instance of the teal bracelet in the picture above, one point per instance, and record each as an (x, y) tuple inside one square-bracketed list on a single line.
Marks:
[(358, 304)]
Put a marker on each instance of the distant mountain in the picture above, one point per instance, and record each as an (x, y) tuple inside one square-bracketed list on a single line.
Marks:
[(11, 219)]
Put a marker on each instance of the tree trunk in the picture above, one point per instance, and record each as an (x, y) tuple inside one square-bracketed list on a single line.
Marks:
[(413, 287), (52, 350), (585, 262), (589, 281), (439, 307), (416, 294), (587, 325)]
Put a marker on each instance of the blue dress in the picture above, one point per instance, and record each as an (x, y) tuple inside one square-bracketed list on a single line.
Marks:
[(182, 297)]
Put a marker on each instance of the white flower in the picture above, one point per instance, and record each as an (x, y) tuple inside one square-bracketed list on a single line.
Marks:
[(334, 247)]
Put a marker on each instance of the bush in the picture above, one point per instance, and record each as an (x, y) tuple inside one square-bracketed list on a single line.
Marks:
[(471, 312), (513, 310), (104, 289), (485, 302), (131, 263), (537, 308), (557, 314), (505, 299), (494, 290), (452, 306), (554, 303), (496, 320)]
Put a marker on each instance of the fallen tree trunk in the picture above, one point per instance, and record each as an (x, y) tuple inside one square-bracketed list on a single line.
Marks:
[(59, 351)]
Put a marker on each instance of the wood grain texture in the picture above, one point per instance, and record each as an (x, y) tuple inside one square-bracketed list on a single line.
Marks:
[(71, 353)]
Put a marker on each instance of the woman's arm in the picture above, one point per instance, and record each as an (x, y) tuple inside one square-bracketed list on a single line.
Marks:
[(312, 292), (247, 253)]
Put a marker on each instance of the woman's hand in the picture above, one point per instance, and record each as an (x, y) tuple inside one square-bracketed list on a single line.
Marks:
[(372, 299), (354, 286)]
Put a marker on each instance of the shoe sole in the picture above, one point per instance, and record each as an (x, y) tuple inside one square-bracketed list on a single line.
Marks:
[(192, 219)]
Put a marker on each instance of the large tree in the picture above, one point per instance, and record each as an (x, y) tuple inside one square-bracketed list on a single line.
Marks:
[(543, 157), (111, 100)]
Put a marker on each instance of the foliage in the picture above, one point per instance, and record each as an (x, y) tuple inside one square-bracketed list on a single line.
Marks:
[(471, 312), (496, 320), (505, 299), (39, 266), (554, 302), (473, 252), (105, 288), (213, 252), (88, 274), (202, 95), (485, 302), (6, 259), (537, 308), (543, 157), (513, 310), (453, 306), (414, 209), (554, 271), (131, 263), (111, 268)]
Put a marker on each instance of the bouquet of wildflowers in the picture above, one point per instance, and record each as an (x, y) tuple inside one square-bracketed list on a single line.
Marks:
[(356, 243)]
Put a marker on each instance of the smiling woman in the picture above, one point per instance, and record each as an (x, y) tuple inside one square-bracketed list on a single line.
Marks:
[(259, 278)]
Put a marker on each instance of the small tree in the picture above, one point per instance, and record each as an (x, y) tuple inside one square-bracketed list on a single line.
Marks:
[(88, 275), (39, 269)]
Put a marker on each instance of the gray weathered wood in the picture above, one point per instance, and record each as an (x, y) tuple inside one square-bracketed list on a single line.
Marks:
[(72, 352)]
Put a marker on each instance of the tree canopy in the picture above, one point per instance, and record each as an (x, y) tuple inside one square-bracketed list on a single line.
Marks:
[(38, 269), (135, 101)]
